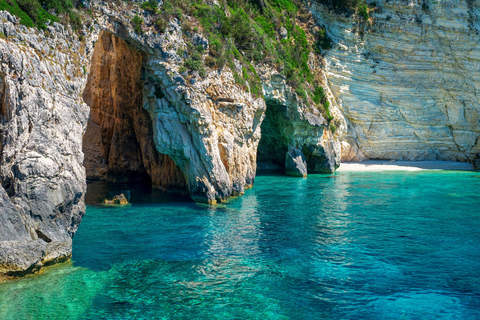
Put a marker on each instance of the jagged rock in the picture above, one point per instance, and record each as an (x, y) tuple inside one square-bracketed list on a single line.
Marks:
[(42, 123), (283, 33), (295, 163), (290, 123), (198, 39), (118, 200)]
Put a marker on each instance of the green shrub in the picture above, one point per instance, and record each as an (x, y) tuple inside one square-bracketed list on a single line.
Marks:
[(333, 128), (31, 8), (363, 11), (318, 95), (193, 63), (267, 26), (342, 6), (150, 5), (13, 8), (210, 62), (75, 20), (195, 60), (301, 92), (137, 24), (323, 41), (326, 106), (60, 6), (34, 13), (250, 34), (161, 25), (30, 12)]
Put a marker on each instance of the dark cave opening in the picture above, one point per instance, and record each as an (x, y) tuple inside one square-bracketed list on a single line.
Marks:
[(118, 143), (273, 144)]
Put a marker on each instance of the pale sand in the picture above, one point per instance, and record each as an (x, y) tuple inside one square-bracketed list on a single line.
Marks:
[(380, 165)]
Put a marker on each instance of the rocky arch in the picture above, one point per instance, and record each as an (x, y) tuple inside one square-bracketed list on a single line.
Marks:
[(296, 142), (118, 143)]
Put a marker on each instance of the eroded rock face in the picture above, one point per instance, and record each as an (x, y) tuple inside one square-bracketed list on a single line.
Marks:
[(119, 143), (408, 83), (291, 124), (211, 130), (42, 123), (142, 118), (295, 163)]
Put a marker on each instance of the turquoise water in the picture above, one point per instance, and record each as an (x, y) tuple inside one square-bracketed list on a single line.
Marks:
[(348, 246)]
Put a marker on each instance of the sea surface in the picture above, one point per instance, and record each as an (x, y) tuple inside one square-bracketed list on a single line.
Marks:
[(353, 245)]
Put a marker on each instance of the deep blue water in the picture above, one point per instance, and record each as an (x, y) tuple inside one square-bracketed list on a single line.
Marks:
[(393, 245)]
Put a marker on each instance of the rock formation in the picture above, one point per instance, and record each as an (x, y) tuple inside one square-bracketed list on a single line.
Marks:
[(289, 123), (42, 123), (407, 80), (118, 104), (118, 142), (295, 163)]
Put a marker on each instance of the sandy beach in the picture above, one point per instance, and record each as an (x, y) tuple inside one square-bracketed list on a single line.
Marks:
[(381, 165)]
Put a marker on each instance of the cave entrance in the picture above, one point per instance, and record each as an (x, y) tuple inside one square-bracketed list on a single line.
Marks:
[(118, 143), (273, 144)]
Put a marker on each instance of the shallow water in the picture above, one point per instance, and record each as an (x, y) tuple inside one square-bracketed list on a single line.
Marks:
[(393, 245)]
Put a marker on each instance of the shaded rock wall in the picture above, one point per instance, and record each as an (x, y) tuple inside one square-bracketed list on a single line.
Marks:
[(118, 142), (408, 81), (274, 143), (292, 124)]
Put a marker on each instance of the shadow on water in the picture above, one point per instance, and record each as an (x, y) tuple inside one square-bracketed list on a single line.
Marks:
[(97, 191)]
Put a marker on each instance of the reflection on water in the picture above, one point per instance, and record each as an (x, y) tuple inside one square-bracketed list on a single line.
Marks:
[(347, 246)]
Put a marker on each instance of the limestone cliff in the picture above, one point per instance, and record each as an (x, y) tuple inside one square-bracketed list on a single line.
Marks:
[(42, 122), (115, 105), (118, 106), (407, 80)]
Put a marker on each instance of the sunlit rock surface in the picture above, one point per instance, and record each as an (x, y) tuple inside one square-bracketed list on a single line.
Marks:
[(42, 122), (115, 106), (407, 81)]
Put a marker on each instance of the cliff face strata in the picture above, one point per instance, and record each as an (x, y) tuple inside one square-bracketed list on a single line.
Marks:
[(407, 81)]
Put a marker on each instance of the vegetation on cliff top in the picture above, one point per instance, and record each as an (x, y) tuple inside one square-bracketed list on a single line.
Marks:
[(252, 32), (39, 13)]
